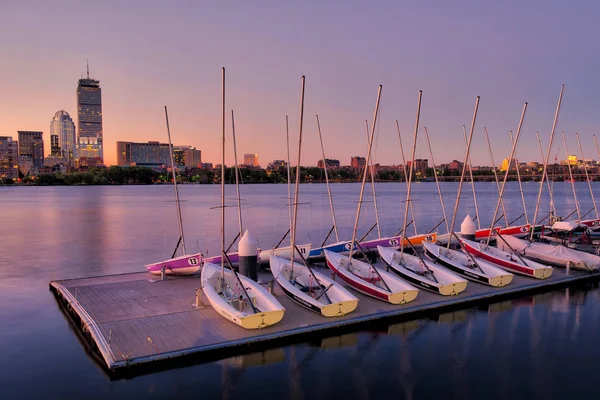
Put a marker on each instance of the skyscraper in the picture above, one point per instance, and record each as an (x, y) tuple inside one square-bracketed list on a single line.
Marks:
[(251, 160), (31, 144), (89, 120), (63, 127), (8, 158), (54, 146)]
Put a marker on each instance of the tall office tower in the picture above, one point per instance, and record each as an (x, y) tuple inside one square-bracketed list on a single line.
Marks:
[(9, 155), (89, 120), (54, 146), (63, 127), (251, 160), (31, 144)]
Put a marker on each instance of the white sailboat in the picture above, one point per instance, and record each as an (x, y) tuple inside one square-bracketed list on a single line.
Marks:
[(237, 298), (301, 283)]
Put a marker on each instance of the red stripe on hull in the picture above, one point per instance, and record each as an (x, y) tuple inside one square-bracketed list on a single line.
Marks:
[(359, 286), (515, 267)]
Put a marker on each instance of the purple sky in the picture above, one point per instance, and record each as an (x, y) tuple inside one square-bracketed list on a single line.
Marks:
[(148, 54)]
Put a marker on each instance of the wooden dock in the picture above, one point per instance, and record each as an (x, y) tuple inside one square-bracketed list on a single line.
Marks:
[(135, 319)]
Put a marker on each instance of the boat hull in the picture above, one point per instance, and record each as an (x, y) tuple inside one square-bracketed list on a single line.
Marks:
[(452, 286), (342, 301), (507, 263), (496, 280), (336, 263), (183, 265), (270, 310)]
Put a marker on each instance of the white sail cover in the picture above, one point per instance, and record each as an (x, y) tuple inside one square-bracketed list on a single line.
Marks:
[(553, 254)]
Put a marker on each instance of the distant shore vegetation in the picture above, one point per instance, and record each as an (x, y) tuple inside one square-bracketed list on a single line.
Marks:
[(136, 175)]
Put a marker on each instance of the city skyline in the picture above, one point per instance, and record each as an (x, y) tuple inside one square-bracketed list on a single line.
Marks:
[(457, 55)]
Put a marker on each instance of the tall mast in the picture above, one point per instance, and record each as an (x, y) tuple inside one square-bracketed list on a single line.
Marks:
[(472, 184), (464, 168), (412, 166), (571, 178), (362, 187), (487, 137), (223, 175), (520, 183), (373, 186), (289, 184), (550, 191), (587, 177), (179, 219), (437, 183), (237, 173), (337, 239), (293, 236), (546, 160), (510, 159), (412, 211)]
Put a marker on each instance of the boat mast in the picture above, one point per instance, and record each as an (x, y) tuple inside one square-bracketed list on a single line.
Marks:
[(550, 191), (373, 186), (362, 187), (487, 137), (237, 173), (179, 219), (327, 182), (546, 160), (587, 177), (223, 176), (571, 178), (520, 183), (412, 211), (289, 184), (293, 233), (464, 168), (412, 166), (510, 159), (437, 183), (473, 183)]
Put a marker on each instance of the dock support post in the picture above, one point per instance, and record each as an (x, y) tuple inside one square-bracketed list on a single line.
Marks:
[(270, 286), (163, 275), (198, 300)]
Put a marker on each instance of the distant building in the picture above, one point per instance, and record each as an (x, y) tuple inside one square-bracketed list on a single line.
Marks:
[(331, 163), (192, 158), (9, 162), (89, 120), (420, 167), (154, 154), (251, 160), (53, 160), (457, 165), (504, 166), (357, 162), (26, 166), (62, 136), (572, 159), (31, 143)]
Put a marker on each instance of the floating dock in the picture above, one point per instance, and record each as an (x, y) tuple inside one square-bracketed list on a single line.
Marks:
[(136, 320)]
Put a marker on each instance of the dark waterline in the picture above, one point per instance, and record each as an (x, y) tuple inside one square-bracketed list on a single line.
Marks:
[(537, 347)]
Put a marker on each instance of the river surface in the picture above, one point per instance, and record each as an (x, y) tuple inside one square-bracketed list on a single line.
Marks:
[(542, 346)]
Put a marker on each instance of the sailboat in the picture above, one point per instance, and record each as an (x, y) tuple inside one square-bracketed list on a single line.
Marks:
[(363, 276), (300, 282), (237, 298), (187, 263), (414, 268), (461, 262), (511, 261)]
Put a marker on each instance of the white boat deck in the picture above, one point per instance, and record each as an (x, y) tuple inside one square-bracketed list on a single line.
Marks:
[(133, 319)]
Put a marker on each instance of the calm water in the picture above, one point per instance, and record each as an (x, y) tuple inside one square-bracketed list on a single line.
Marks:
[(543, 346)]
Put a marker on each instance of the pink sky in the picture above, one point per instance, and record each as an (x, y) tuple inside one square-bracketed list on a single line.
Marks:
[(150, 54)]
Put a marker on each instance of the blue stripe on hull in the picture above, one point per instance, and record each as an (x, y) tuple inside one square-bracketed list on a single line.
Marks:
[(460, 271)]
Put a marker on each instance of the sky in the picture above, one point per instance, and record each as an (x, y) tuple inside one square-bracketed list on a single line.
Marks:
[(151, 54)]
